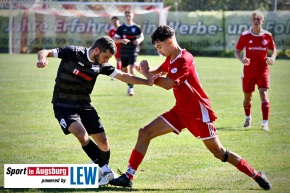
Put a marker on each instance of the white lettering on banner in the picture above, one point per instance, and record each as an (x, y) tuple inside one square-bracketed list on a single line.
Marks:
[(51, 175), (76, 26), (201, 31), (236, 28), (278, 28), (198, 29)]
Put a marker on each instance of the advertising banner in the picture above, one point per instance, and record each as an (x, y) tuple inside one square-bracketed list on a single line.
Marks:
[(196, 31), (51, 175), (278, 23)]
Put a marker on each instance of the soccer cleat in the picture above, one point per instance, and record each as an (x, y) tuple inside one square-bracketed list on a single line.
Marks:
[(107, 177), (264, 182), (265, 128), (123, 181), (247, 123), (131, 92)]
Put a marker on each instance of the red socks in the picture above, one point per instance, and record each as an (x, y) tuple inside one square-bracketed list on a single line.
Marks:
[(119, 65), (247, 109), (265, 106), (245, 167), (134, 162)]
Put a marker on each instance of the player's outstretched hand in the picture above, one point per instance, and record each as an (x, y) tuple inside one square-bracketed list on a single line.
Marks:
[(144, 67), (153, 78), (41, 64), (269, 61)]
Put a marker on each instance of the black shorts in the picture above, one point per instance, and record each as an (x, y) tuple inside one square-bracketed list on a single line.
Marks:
[(87, 116), (129, 59)]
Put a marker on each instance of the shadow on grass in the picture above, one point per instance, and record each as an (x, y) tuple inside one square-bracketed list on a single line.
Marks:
[(233, 129)]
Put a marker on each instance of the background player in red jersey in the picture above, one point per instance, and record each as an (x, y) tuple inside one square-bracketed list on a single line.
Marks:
[(192, 109), (116, 23), (130, 36), (256, 42)]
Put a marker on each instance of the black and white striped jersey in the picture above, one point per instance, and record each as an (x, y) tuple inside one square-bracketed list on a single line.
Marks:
[(76, 76)]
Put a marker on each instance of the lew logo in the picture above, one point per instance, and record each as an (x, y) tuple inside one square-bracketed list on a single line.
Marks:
[(51, 175)]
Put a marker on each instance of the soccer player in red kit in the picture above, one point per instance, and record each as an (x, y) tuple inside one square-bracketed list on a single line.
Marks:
[(192, 109), (116, 23), (256, 42)]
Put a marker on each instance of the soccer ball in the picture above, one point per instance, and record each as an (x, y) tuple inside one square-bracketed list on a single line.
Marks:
[(100, 172)]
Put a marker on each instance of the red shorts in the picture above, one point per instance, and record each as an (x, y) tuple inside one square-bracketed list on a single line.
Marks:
[(248, 83), (117, 55), (199, 129)]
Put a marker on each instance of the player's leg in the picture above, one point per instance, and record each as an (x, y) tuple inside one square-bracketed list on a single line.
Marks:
[(247, 104), (248, 89), (132, 61), (263, 85), (119, 64), (94, 127), (126, 69), (118, 57), (265, 107), (70, 122), (216, 148), (156, 128), (103, 144)]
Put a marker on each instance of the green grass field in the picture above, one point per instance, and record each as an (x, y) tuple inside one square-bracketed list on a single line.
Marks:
[(31, 135)]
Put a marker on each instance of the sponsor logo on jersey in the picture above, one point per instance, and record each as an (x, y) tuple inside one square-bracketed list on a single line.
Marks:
[(173, 70), (264, 42), (81, 64), (251, 41), (95, 68), (257, 48), (83, 75)]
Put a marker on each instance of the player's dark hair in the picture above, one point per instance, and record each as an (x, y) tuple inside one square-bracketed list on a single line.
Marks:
[(115, 17), (105, 43), (163, 32)]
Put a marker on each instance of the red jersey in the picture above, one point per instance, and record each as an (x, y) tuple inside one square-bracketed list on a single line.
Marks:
[(189, 94), (112, 33), (255, 48)]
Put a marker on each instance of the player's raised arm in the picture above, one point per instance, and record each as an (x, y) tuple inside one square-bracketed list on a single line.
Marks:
[(131, 79), (163, 82), (42, 58)]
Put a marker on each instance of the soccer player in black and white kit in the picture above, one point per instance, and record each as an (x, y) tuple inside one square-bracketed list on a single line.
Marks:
[(76, 77), (130, 36)]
